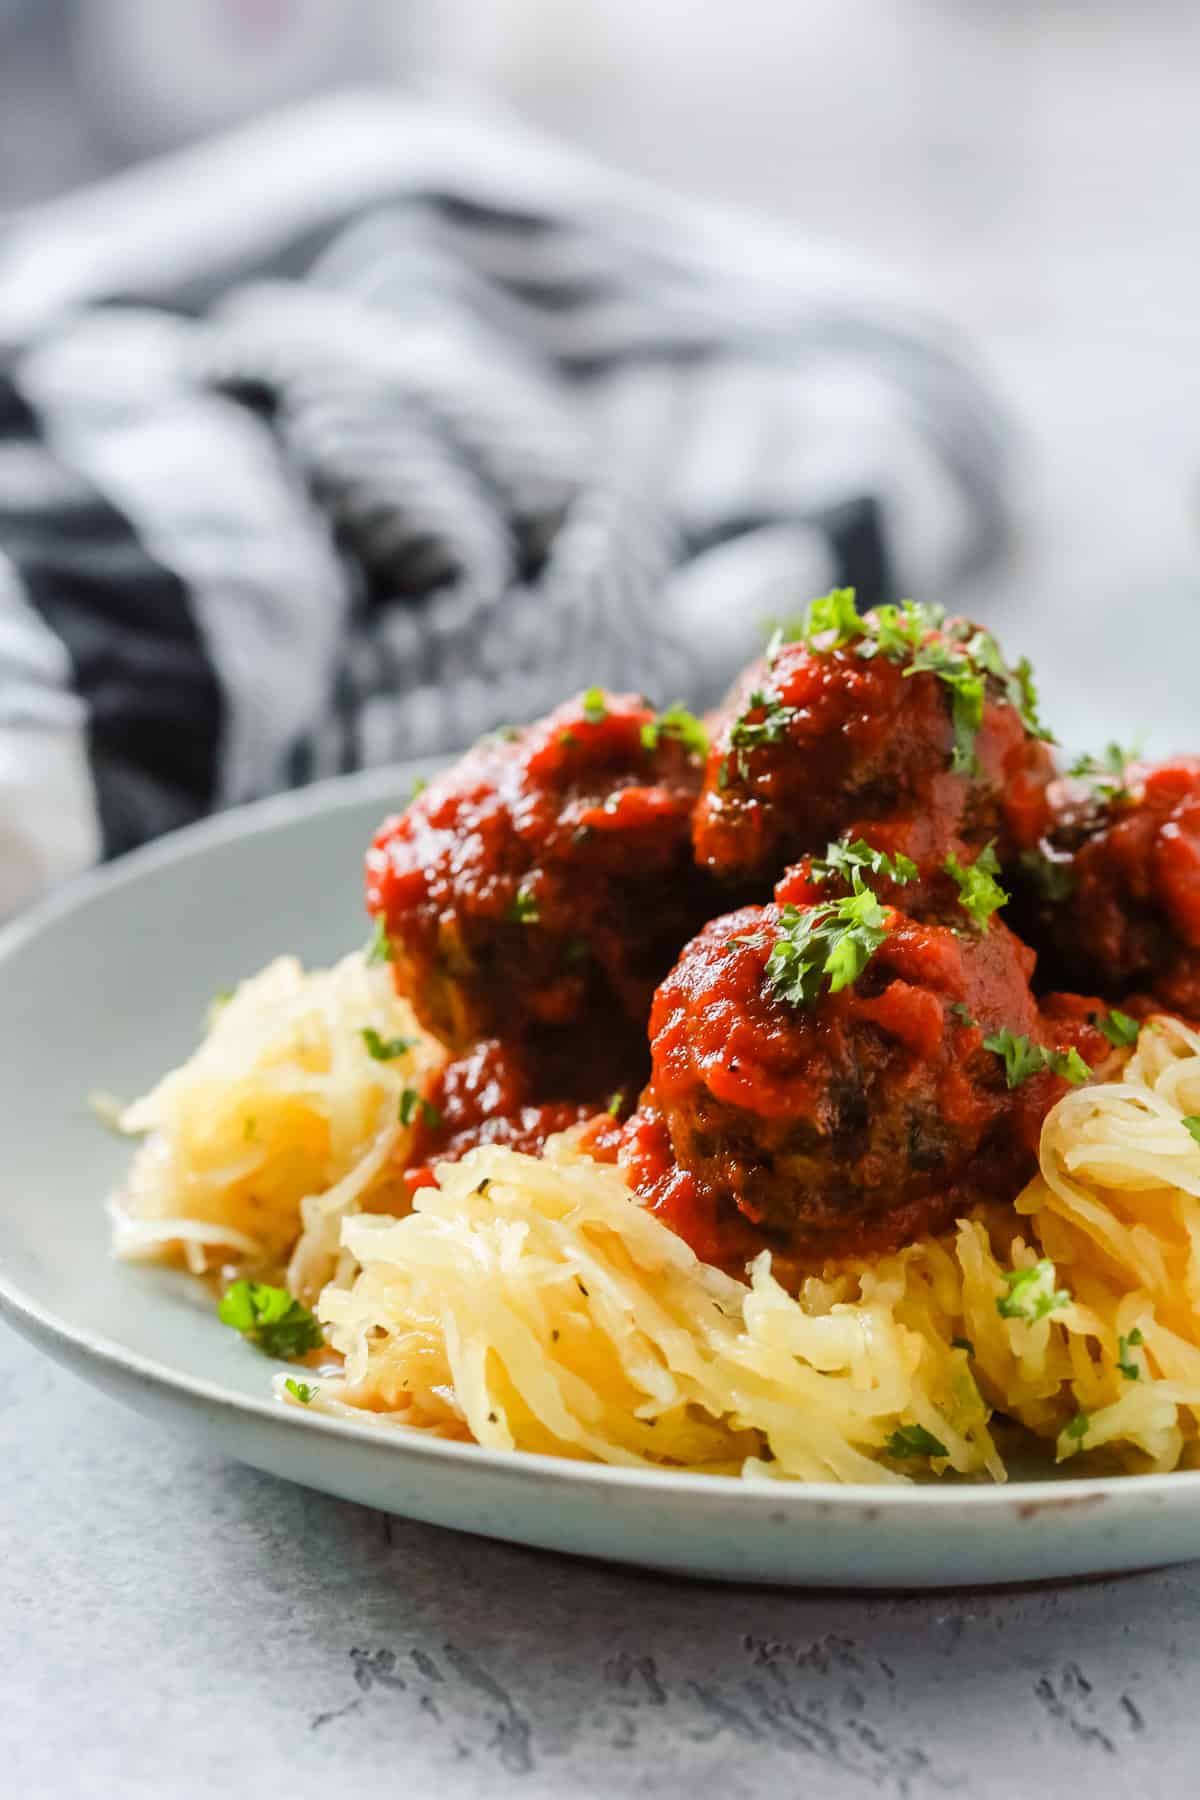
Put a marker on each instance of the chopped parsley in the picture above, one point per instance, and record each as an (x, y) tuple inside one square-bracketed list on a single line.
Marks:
[(379, 948), (615, 1103), (962, 1011), (1129, 1369), (270, 1318), (979, 893), (680, 726), (963, 657), (1117, 1027), (834, 614), (411, 1102), (595, 706), (844, 859), (914, 1440), (754, 734), (522, 909), (828, 945), (418, 788), (301, 1391), (381, 1049), (1031, 1293), (1076, 1429), (1023, 1059), (1105, 774), (1051, 876), (506, 734), (1192, 1124)]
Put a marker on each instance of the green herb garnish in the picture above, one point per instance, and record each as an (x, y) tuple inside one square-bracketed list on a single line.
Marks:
[(418, 788), (381, 1049), (914, 1440), (1105, 774), (1129, 1369), (595, 706), (843, 859), (824, 946), (979, 893), (411, 1102), (522, 909), (379, 948), (301, 1390), (1077, 1428), (1031, 1293), (1023, 1059), (270, 1318), (615, 1103), (1192, 1124), (680, 726), (1117, 1027)]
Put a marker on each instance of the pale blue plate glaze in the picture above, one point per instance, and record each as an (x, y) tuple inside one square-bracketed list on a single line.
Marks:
[(107, 986)]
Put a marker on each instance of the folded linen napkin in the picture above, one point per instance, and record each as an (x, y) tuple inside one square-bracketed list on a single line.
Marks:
[(356, 433)]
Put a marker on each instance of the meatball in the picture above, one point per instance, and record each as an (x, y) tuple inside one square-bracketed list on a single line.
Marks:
[(892, 719), (850, 1120), (1112, 895), (539, 889), (489, 1096)]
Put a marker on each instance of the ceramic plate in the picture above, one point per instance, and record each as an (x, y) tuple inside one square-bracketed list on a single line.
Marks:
[(107, 986)]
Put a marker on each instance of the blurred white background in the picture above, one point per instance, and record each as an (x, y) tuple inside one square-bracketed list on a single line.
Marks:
[(1030, 168)]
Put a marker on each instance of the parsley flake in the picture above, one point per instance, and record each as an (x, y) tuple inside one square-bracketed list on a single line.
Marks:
[(1125, 1363), (1117, 1027), (678, 725), (754, 734), (522, 909), (1076, 1429), (381, 1049), (979, 893), (824, 946), (595, 707), (379, 948), (1023, 1059), (418, 788), (1105, 774), (914, 1440), (1031, 1293), (1192, 1124), (615, 1103), (301, 1391), (411, 1102), (844, 859), (270, 1318)]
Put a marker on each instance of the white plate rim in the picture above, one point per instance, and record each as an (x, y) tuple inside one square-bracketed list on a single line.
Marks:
[(40, 1323)]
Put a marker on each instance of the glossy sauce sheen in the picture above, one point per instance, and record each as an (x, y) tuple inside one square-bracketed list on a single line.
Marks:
[(589, 901)]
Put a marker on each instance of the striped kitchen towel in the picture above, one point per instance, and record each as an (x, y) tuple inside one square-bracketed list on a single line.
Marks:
[(354, 434)]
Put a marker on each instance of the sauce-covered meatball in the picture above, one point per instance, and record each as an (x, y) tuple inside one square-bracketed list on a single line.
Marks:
[(1112, 896), (843, 1120), (538, 890), (899, 718)]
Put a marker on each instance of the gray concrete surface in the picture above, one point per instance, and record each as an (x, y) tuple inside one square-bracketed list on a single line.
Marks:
[(176, 1626), (183, 1628)]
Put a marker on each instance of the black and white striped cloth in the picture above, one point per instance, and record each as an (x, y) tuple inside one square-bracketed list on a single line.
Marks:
[(354, 434)]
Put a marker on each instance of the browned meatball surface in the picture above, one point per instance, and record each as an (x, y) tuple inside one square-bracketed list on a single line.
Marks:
[(1111, 898), (846, 1120), (538, 890), (898, 721)]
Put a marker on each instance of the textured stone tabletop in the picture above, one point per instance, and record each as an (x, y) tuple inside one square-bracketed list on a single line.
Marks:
[(177, 1626)]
